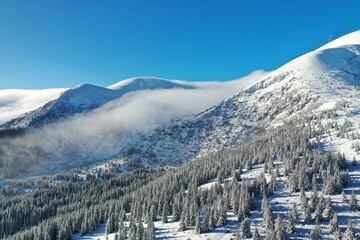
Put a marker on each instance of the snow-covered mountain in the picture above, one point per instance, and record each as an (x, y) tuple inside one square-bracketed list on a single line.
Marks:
[(323, 79), (285, 170), (84, 98), (319, 80)]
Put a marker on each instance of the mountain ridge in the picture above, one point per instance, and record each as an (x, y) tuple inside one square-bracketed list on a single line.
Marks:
[(317, 80)]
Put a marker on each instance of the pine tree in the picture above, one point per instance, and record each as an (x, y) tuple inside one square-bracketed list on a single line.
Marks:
[(303, 200), (315, 233), (204, 224), (353, 201), (338, 235), (256, 235), (150, 230), (244, 231), (212, 219), (132, 229), (84, 227), (197, 228), (268, 218), (183, 224), (349, 233), (294, 213), (333, 225), (176, 211), (280, 233), (222, 218), (343, 197), (313, 201), (140, 231), (235, 194), (65, 233), (272, 185), (314, 183), (291, 227), (307, 214), (122, 230), (153, 213), (165, 212), (109, 228), (328, 212)]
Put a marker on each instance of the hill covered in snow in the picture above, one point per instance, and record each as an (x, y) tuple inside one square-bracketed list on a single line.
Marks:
[(324, 79)]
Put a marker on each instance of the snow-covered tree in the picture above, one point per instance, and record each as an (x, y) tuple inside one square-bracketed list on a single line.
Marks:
[(315, 233), (333, 225), (244, 230), (353, 201), (280, 233), (349, 233), (256, 235)]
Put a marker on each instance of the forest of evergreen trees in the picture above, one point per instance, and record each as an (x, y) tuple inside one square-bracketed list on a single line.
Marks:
[(57, 211)]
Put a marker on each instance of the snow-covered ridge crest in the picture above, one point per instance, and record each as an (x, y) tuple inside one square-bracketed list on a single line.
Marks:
[(341, 54), (140, 83), (352, 38)]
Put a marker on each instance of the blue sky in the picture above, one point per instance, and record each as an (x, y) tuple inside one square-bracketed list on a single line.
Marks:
[(45, 44)]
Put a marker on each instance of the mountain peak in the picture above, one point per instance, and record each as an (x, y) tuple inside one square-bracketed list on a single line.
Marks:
[(141, 83), (348, 39)]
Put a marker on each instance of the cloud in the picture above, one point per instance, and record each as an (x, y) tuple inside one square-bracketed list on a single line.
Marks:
[(101, 133)]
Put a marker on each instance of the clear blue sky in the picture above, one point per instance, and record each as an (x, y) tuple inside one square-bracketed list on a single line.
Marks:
[(63, 43)]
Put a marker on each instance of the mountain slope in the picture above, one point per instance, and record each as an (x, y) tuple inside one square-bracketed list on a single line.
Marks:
[(319, 80), (85, 98)]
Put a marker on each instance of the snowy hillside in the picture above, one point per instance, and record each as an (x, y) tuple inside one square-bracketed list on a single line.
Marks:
[(319, 80)]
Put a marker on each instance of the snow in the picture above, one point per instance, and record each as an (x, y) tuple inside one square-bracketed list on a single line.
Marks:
[(14, 102), (141, 83), (348, 39)]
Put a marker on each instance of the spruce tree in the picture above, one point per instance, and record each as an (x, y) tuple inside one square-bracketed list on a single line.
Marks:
[(343, 197), (183, 224), (165, 212), (244, 230), (333, 224), (150, 230), (122, 230), (222, 218), (132, 229), (140, 231), (197, 228), (268, 219), (280, 233), (291, 227), (349, 233), (353, 201), (256, 235), (328, 212), (338, 235), (109, 228), (315, 233)]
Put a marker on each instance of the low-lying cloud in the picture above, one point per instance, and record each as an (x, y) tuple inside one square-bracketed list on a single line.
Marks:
[(101, 133)]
